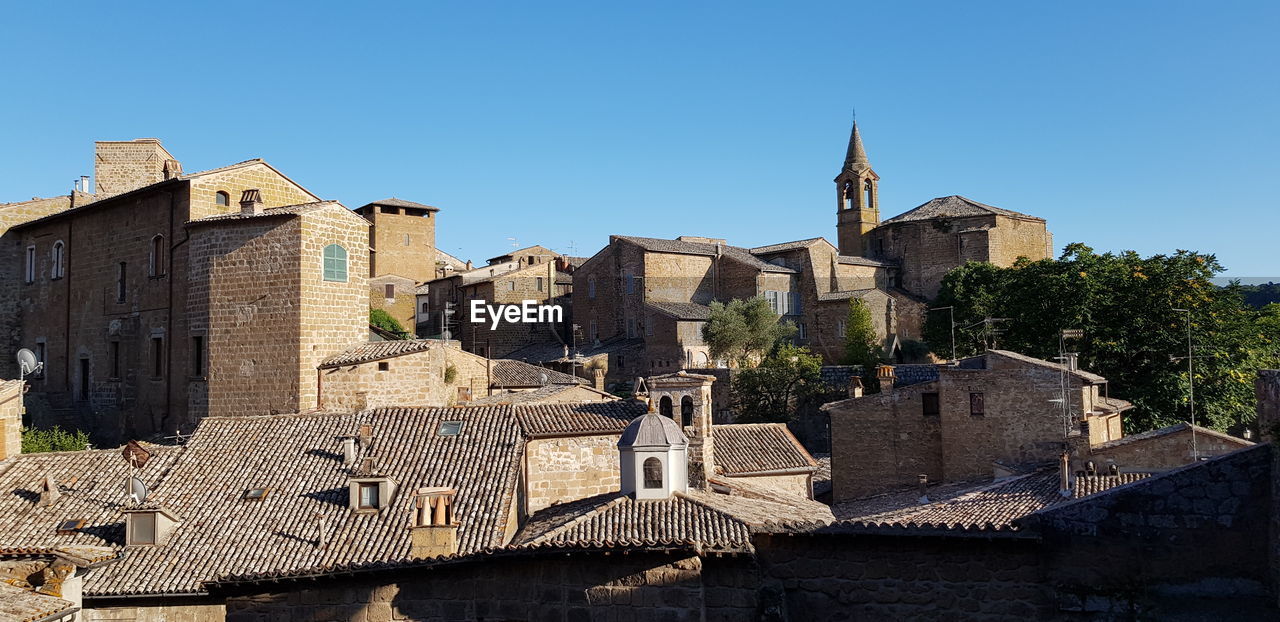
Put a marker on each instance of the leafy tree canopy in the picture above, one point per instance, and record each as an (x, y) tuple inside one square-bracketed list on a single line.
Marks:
[(383, 320), (768, 392), (56, 439), (861, 345), (1127, 306), (743, 331)]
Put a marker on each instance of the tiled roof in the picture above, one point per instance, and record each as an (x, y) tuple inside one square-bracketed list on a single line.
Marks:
[(422, 290), (618, 520), (845, 295), (954, 206), (21, 605), (588, 418), (378, 350), (536, 396), (298, 457), (682, 310), (512, 373), (1113, 405), (992, 506), (652, 430), (1079, 373), (784, 246), (738, 253), (554, 352), (287, 210), (756, 448), (394, 202), (863, 261), (1165, 431)]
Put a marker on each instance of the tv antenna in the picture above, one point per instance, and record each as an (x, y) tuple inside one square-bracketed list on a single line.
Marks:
[(514, 243), (28, 363)]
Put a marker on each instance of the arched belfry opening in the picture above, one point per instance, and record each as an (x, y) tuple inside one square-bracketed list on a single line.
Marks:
[(664, 407), (686, 411)]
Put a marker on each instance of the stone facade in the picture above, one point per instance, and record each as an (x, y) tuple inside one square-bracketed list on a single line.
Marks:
[(508, 283), (569, 468), (11, 411), (954, 428), (402, 255), (121, 166), (105, 300), (409, 380)]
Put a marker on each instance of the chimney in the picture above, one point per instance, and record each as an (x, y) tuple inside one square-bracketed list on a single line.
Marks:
[(348, 450), (923, 481), (434, 532), (251, 202), (322, 536), (885, 374), (598, 376), (49, 492), (1073, 361), (1064, 474), (855, 386)]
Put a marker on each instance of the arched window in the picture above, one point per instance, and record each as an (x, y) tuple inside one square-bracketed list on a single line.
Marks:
[(871, 195), (850, 195), (155, 267), (664, 406), (221, 199), (591, 286), (652, 473), (335, 263), (686, 411), (59, 256)]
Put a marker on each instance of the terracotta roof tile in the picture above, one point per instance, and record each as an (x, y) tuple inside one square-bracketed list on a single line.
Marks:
[(784, 246), (394, 202), (378, 350), (954, 206), (756, 448), (578, 419), (512, 373), (682, 310), (20, 605), (738, 253), (287, 210)]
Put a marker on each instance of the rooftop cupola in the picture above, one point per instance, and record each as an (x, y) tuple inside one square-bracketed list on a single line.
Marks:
[(653, 455)]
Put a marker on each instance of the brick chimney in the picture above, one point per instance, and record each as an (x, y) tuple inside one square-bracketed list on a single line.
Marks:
[(251, 202), (855, 386), (434, 532), (1064, 474), (598, 376), (886, 376)]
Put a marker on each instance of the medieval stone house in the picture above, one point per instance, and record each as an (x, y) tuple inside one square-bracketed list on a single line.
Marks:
[(402, 255)]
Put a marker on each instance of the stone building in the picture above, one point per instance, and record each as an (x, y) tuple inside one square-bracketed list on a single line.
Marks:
[(996, 415), (529, 274), (927, 242), (656, 295), (402, 255), (100, 287)]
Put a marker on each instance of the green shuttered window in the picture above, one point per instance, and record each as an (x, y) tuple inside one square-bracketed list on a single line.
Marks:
[(335, 263)]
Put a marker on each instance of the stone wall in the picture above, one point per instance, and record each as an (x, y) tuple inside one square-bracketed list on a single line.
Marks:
[(569, 468), (641, 586), (403, 244), (275, 189), (156, 613), (473, 373), (1166, 451), (11, 411), (796, 485), (402, 303), (411, 380), (121, 166), (1268, 393)]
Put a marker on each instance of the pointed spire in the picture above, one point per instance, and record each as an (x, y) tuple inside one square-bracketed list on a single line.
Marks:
[(855, 158)]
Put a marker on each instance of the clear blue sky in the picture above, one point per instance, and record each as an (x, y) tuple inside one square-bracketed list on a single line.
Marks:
[(1149, 126)]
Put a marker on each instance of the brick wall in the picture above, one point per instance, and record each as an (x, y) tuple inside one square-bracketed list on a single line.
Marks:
[(276, 190), (121, 166), (569, 468), (410, 380)]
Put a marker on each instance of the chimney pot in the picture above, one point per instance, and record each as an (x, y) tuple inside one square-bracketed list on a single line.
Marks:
[(348, 450), (251, 202), (1064, 474), (886, 376), (855, 386), (923, 480)]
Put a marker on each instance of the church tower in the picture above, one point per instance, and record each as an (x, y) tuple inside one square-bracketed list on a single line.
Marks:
[(857, 199)]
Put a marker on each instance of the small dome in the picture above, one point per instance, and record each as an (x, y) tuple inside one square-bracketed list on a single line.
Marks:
[(652, 430)]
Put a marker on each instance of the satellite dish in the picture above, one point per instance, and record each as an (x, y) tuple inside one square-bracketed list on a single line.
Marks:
[(137, 490), (543, 378), (27, 362)]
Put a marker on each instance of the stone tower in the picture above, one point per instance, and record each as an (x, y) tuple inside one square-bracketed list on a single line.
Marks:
[(402, 240), (124, 165), (685, 398), (857, 199)]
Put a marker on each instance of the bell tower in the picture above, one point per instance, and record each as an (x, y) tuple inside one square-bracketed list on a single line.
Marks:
[(857, 199)]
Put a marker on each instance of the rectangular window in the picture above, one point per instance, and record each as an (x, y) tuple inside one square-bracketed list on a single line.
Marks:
[(801, 333), (41, 350), (368, 496), (197, 355), (157, 357), (511, 286), (389, 290), (591, 287), (31, 265), (113, 358), (424, 307), (631, 284), (771, 297), (977, 405), (406, 239), (84, 380), (155, 266), (539, 280), (142, 528), (793, 303), (121, 283), (932, 406)]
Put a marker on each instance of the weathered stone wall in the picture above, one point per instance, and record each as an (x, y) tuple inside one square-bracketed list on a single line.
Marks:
[(797, 485), (569, 468), (1267, 388), (401, 304), (275, 190), (407, 381), (403, 244), (473, 373), (157, 613), (1189, 539), (1164, 452), (121, 166), (333, 316), (881, 442), (11, 410), (643, 586), (841, 577)]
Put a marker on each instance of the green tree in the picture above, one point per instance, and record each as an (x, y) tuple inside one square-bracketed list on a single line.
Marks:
[(1133, 333), (861, 345), (744, 331), (768, 392), (56, 439), (383, 320)]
